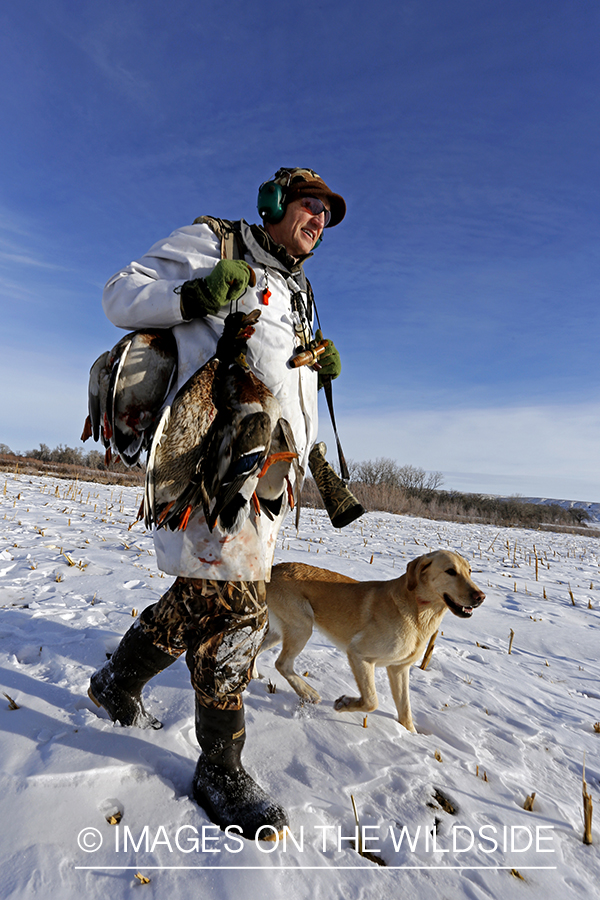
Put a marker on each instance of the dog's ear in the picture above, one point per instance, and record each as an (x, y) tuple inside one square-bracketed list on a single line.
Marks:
[(413, 575), (415, 569)]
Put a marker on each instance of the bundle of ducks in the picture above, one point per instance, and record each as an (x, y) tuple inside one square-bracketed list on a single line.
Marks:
[(221, 445)]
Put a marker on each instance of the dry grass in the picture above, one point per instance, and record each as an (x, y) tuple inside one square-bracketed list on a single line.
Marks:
[(28, 466), (452, 506), (587, 809)]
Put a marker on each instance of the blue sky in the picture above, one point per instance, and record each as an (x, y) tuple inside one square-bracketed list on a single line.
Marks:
[(462, 287)]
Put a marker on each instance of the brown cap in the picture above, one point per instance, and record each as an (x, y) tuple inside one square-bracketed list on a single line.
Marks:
[(299, 182)]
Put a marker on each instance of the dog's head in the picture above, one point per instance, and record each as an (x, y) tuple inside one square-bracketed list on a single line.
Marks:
[(445, 578)]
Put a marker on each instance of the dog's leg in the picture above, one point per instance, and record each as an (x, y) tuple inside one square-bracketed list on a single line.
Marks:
[(293, 642), (271, 638), (364, 672), (398, 676)]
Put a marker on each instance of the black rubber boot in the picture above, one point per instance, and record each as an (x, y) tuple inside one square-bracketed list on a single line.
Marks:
[(117, 686), (221, 785)]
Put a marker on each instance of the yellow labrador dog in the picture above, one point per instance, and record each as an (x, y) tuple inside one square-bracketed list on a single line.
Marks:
[(377, 623)]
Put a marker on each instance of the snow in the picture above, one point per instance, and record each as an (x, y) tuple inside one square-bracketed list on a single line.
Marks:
[(493, 727)]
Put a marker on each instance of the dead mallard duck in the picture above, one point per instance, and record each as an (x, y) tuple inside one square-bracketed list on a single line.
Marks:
[(222, 445)]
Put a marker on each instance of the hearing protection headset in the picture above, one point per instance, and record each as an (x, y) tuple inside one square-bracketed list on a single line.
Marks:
[(271, 206)]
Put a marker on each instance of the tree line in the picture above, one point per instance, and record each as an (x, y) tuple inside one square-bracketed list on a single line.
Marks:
[(384, 485), (71, 456), (69, 462), (379, 484)]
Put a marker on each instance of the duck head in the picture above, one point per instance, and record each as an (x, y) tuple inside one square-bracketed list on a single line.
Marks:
[(237, 331)]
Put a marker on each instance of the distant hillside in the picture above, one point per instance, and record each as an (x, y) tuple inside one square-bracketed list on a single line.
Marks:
[(593, 509)]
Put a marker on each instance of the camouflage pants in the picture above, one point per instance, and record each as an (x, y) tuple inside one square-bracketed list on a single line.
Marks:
[(220, 625)]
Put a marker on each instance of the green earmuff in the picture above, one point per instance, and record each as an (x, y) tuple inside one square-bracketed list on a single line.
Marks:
[(271, 206)]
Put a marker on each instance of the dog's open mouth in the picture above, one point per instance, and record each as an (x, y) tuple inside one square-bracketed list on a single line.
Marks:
[(463, 612)]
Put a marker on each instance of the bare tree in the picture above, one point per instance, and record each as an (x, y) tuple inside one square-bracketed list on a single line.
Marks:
[(378, 471), (44, 453), (385, 471), (416, 480)]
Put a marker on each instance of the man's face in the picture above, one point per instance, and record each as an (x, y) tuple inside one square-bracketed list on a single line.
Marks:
[(298, 231)]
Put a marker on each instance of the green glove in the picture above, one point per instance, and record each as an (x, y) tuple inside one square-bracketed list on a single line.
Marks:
[(329, 360), (225, 284)]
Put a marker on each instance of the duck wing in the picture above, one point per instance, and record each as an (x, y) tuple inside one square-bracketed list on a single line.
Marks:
[(126, 390), (97, 393), (141, 379), (97, 423), (171, 491)]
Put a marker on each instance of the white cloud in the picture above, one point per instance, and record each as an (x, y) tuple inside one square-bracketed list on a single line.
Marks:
[(532, 450), (28, 260)]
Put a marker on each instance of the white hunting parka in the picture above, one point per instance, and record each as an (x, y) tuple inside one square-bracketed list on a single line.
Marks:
[(144, 295)]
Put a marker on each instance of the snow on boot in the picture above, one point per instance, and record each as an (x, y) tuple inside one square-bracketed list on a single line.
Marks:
[(221, 785), (117, 686)]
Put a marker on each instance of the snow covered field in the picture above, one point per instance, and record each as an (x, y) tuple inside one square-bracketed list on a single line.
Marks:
[(493, 727)]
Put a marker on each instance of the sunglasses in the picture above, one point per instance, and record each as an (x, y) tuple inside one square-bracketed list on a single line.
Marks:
[(316, 207)]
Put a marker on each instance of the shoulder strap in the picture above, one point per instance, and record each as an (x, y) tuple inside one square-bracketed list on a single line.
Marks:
[(326, 381), (312, 307), (228, 232)]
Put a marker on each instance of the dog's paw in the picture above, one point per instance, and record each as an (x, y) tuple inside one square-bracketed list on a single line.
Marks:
[(345, 704), (309, 695), (409, 727), (306, 692), (303, 689)]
